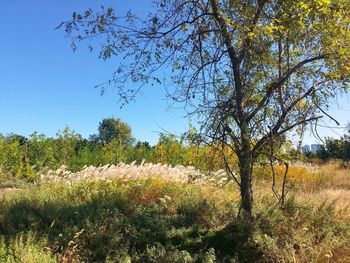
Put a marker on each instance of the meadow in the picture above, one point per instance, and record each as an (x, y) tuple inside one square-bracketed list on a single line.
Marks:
[(70, 199), (157, 218)]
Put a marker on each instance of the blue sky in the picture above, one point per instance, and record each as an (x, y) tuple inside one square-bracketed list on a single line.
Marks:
[(44, 86)]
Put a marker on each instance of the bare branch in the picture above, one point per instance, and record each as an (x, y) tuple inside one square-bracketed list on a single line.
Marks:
[(272, 87)]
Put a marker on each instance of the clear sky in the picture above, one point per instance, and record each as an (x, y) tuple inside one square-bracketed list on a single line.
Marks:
[(44, 86)]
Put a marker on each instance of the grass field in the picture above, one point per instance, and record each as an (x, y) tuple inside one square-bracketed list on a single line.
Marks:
[(155, 220)]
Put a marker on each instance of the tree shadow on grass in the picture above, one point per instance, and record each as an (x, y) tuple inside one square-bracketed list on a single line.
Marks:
[(235, 241), (103, 226)]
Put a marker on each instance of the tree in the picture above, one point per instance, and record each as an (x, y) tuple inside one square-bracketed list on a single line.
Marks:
[(142, 152), (336, 148), (111, 128), (250, 71), (13, 137), (169, 150), (66, 145)]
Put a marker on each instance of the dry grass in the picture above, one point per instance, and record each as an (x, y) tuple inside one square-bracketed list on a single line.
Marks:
[(326, 183), (178, 173), (313, 183), (7, 191), (340, 176)]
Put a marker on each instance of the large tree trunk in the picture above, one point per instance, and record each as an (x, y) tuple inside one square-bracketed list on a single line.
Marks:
[(246, 187), (246, 169)]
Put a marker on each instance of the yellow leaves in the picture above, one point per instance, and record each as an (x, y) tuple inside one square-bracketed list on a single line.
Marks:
[(312, 6), (299, 175), (233, 3), (303, 104), (303, 5), (230, 22), (271, 30), (323, 2), (251, 35), (307, 5), (323, 5), (346, 68)]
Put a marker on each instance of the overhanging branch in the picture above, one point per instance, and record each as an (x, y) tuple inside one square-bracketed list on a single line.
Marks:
[(272, 87), (273, 134)]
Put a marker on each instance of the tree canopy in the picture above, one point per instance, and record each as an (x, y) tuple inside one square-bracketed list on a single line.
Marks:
[(114, 129), (249, 70)]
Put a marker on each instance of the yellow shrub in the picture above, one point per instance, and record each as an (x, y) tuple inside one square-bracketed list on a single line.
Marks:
[(308, 178)]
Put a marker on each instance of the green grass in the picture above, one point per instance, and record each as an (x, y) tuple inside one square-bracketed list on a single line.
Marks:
[(157, 221)]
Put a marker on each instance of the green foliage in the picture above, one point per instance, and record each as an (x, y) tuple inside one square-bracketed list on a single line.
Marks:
[(42, 151), (66, 143), (112, 219), (142, 152), (23, 158), (24, 248), (115, 152), (11, 157), (336, 148), (169, 150), (114, 129), (157, 221)]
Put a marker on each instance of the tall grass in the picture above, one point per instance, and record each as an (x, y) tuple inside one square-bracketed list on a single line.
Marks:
[(161, 221)]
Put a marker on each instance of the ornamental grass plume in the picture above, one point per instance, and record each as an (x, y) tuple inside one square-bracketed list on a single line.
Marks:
[(178, 173)]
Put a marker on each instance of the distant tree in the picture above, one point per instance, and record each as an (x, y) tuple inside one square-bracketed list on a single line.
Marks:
[(142, 151), (323, 153), (169, 150), (192, 137), (336, 148), (145, 145), (66, 145), (11, 157), (13, 137), (43, 151), (95, 138), (111, 129), (250, 70)]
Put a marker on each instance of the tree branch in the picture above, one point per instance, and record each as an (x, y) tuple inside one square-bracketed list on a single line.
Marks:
[(233, 58), (247, 41), (272, 87)]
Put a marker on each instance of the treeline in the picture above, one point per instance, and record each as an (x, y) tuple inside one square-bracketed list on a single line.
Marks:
[(24, 157), (335, 148)]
